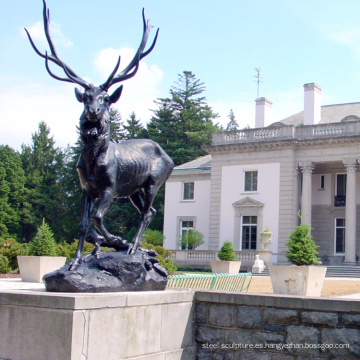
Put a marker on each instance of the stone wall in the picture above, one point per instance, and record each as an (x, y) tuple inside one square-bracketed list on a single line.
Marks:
[(156, 325), (253, 327), (176, 325)]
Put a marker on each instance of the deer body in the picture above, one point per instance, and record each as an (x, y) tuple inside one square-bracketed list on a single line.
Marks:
[(135, 168), (123, 168)]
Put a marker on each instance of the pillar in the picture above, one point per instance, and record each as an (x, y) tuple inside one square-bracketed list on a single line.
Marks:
[(306, 170), (350, 211)]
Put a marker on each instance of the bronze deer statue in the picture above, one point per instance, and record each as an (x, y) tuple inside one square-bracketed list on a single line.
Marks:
[(134, 168)]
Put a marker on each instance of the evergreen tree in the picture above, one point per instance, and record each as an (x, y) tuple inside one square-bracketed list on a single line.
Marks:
[(72, 193), (117, 131), (134, 128), (183, 123), (43, 165), (43, 244), (232, 124), (12, 182)]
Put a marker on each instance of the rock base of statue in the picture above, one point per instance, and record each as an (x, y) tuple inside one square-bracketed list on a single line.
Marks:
[(110, 271)]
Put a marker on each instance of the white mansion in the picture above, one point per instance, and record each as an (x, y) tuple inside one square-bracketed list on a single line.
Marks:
[(260, 178)]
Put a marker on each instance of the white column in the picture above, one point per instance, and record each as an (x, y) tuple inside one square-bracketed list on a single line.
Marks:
[(350, 211), (306, 170)]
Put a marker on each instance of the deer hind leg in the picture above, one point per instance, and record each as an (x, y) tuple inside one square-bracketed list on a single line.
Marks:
[(87, 206), (112, 240), (143, 200)]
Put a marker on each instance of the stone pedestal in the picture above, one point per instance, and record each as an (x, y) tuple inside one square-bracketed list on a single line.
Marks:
[(37, 325), (267, 257)]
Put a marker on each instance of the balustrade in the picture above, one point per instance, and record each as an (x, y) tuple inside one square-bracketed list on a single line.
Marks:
[(287, 132)]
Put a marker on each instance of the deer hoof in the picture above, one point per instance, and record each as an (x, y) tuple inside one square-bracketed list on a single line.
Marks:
[(131, 250), (73, 264)]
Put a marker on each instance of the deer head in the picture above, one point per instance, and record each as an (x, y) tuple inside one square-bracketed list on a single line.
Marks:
[(95, 98)]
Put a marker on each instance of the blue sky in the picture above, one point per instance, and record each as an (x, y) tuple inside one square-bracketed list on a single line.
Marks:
[(293, 42)]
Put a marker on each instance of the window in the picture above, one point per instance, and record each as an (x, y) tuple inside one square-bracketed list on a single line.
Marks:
[(322, 182), (339, 236), (188, 191), (249, 233), (250, 180), (340, 190), (340, 185), (186, 225)]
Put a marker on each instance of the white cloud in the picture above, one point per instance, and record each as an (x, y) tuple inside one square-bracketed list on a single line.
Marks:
[(37, 33), (139, 91), (29, 104)]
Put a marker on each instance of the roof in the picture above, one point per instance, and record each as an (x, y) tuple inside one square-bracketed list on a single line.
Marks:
[(200, 164), (329, 114)]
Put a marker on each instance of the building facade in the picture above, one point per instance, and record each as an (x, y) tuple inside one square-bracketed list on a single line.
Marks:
[(265, 177)]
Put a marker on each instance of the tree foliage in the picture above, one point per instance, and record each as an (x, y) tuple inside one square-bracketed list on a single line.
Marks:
[(43, 244), (134, 129), (227, 252), (302, 247), (232, 124), (43, 165), (183, 123), (12, 191), (191, 239)]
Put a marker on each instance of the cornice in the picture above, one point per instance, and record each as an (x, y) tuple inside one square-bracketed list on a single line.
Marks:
[(281, 144)]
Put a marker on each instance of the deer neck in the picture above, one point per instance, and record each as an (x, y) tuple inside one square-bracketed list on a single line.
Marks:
[(95, 136)]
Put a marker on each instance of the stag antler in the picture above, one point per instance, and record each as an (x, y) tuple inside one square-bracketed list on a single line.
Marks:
[(133, 66), (71, 75)]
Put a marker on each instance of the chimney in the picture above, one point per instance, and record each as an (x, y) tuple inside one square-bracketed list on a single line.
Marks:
[(263, 112), (312, 104)]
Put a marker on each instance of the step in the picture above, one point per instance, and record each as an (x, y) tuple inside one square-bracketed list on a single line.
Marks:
[(332, 271)]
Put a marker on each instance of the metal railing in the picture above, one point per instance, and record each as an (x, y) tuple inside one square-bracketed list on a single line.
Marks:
[(222, 282)]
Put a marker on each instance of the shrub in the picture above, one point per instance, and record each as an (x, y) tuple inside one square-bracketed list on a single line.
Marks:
[(302, 247), (10, 248), (227, 252), (88, 248), (43, 244), (63, 249), (191, 239), (154, 237), (4, 264), (164, 257)]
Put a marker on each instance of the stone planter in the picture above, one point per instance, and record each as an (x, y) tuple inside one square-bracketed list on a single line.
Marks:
[(225, 267), (297, 280), (33, 268)]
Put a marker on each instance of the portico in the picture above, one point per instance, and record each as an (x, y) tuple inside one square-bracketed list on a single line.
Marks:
[(343, 206)]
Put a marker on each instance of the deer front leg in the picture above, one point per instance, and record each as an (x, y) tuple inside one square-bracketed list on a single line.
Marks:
[(87, 207), (143, 200), (105, 201)]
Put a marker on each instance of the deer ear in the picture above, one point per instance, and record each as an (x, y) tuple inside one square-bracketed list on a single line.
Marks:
[(79, 95), (114, 97)]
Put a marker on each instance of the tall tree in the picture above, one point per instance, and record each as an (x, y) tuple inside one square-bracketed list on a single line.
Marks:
[(71, 193), (42, 164), (134, 128), (183, 123), (117, 131), (12, 189), (232, 124)]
